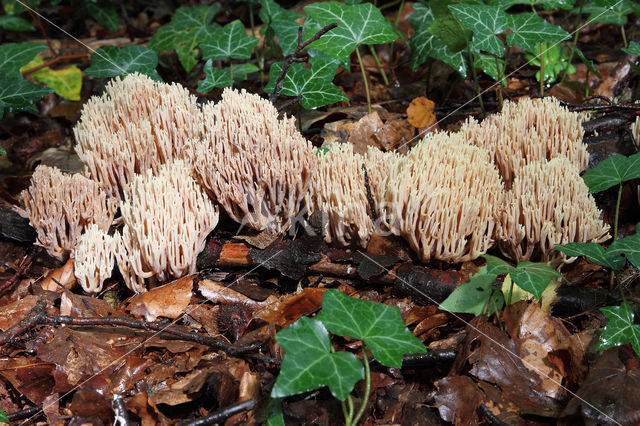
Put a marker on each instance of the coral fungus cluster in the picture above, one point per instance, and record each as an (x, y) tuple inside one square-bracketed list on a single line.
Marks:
[(167, 162)]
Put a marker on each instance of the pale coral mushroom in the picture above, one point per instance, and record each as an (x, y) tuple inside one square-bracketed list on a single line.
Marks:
[(444, 197), (167, 218), (61, 206), (338, 192), (527, 131), (256, 166), (137, 124), (548, 204), (94, 258)]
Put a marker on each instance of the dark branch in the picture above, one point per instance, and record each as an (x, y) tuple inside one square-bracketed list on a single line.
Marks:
[(223, 413)]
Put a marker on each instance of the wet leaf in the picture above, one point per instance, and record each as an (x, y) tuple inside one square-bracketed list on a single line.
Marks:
[(533, 277), (287, 33), (20, 95), (629, 247), (379, 326), (169, 300), (595, 253), (357, 25), (485, 22), (230, 41), (529, 30), (309, 363), (189, 26), (112, 61), (612, 171), (476, 296), (621, 329), (633, 49), (14, 56), (65, 82)]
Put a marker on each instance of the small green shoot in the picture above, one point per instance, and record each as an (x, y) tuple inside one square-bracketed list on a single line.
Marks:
[(310, 362)]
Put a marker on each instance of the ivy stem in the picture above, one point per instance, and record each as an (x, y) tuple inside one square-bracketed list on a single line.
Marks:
[(541, 69), (575, 44), (624, 36), (615, 229), (375, 58), (367, 385), (396, 24), (364, 78), (475, 79), (499, 87), (251, 19)]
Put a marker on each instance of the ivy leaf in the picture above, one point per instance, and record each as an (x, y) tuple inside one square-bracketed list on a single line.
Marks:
[(270, 11), (529, 30), (612, 171), (620, 330), (230, 41), (14, 56), (106, 16), (424, 44), (487, 63), (357, 25), (485, 22), (287, 33), (475, 296), (534, 277), (14, 23), (588, 63), (496, 266), (451, 32), (274, 413), (628, 246), (315, 84), (379, 326), (614, 13), (65, 82), (595, 253), (189, 26), (223, 77), (111, 61), (309, 364), (633, 49), (3, 417), (20, 95)]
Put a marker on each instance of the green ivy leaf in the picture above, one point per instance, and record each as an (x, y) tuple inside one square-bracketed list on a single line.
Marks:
[(357, 25), (612, 171), (106, 16), (425, 45), (270, 11), (14, 56), (487, 63), (214, 77), (274, 413), (3, 416), (287, 33), (534, 277), (111, 61), (379, 326), (628, 246), (20, 95), (230, 41), (529, 30), (496, 266), (14, 23), (615, 13), (475, 296), (595, 253), (633, 49), (620, 330), (485, 22), (187, 29), (309, 363), (315, 84), (588, 63), (451, 32)]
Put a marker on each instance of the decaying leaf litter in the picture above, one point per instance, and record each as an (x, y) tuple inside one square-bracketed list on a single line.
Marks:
[(487, 239)]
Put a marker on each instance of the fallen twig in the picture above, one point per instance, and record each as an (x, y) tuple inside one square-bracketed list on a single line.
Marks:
[(223, 413), (24, 265)]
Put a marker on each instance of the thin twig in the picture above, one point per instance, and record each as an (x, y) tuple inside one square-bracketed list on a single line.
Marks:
[(223, 413), (296, 57), (54, 61), (24, 265)]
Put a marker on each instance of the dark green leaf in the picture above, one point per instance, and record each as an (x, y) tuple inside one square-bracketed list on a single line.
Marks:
[(485, 22), (588, 63), (106, 16), (425, 45), (3, 417), (534, 277), (270, 11), (628, 246), (111, 61), (187, 29), (309, 363), (315, 84), (614, 14), (476, 296), (529, 30), (287, 33), (20, 95), (633, 49), (379, 326), (14, 56), (214, 77), (451, 32), (595, 253), (240, 72), (612, 171), (13, 23), (621, 329), (496, 266), (489, 64), (357, 25), (230, 41)]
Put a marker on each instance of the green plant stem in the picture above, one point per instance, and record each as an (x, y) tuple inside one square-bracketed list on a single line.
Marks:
[(348, 420), (367, 385), (499, 87), (575, 44), (396, 24), (364, 78), (251, 19), (343, 404), (541, 69), (375, 58), (624, 36), (615, 228), (475, 79)]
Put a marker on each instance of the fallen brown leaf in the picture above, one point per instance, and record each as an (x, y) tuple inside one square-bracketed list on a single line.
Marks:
[(169, 300), (420, 112)]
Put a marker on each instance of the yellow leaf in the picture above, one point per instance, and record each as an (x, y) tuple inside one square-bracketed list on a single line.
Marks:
[(66, 82)]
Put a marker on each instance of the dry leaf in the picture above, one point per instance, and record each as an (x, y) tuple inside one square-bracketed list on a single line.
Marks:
[(421, 112), (169, 300), (64, 275)]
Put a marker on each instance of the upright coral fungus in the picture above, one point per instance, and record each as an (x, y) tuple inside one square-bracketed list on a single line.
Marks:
[(167, 218), (444, 197), (548, 204), (527, 131), (257, 166), (338, 191), (137, 124), (61, 206), (94, 258)]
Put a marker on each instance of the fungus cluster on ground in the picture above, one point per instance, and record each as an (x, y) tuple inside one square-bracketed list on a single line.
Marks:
[(167, 163)]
